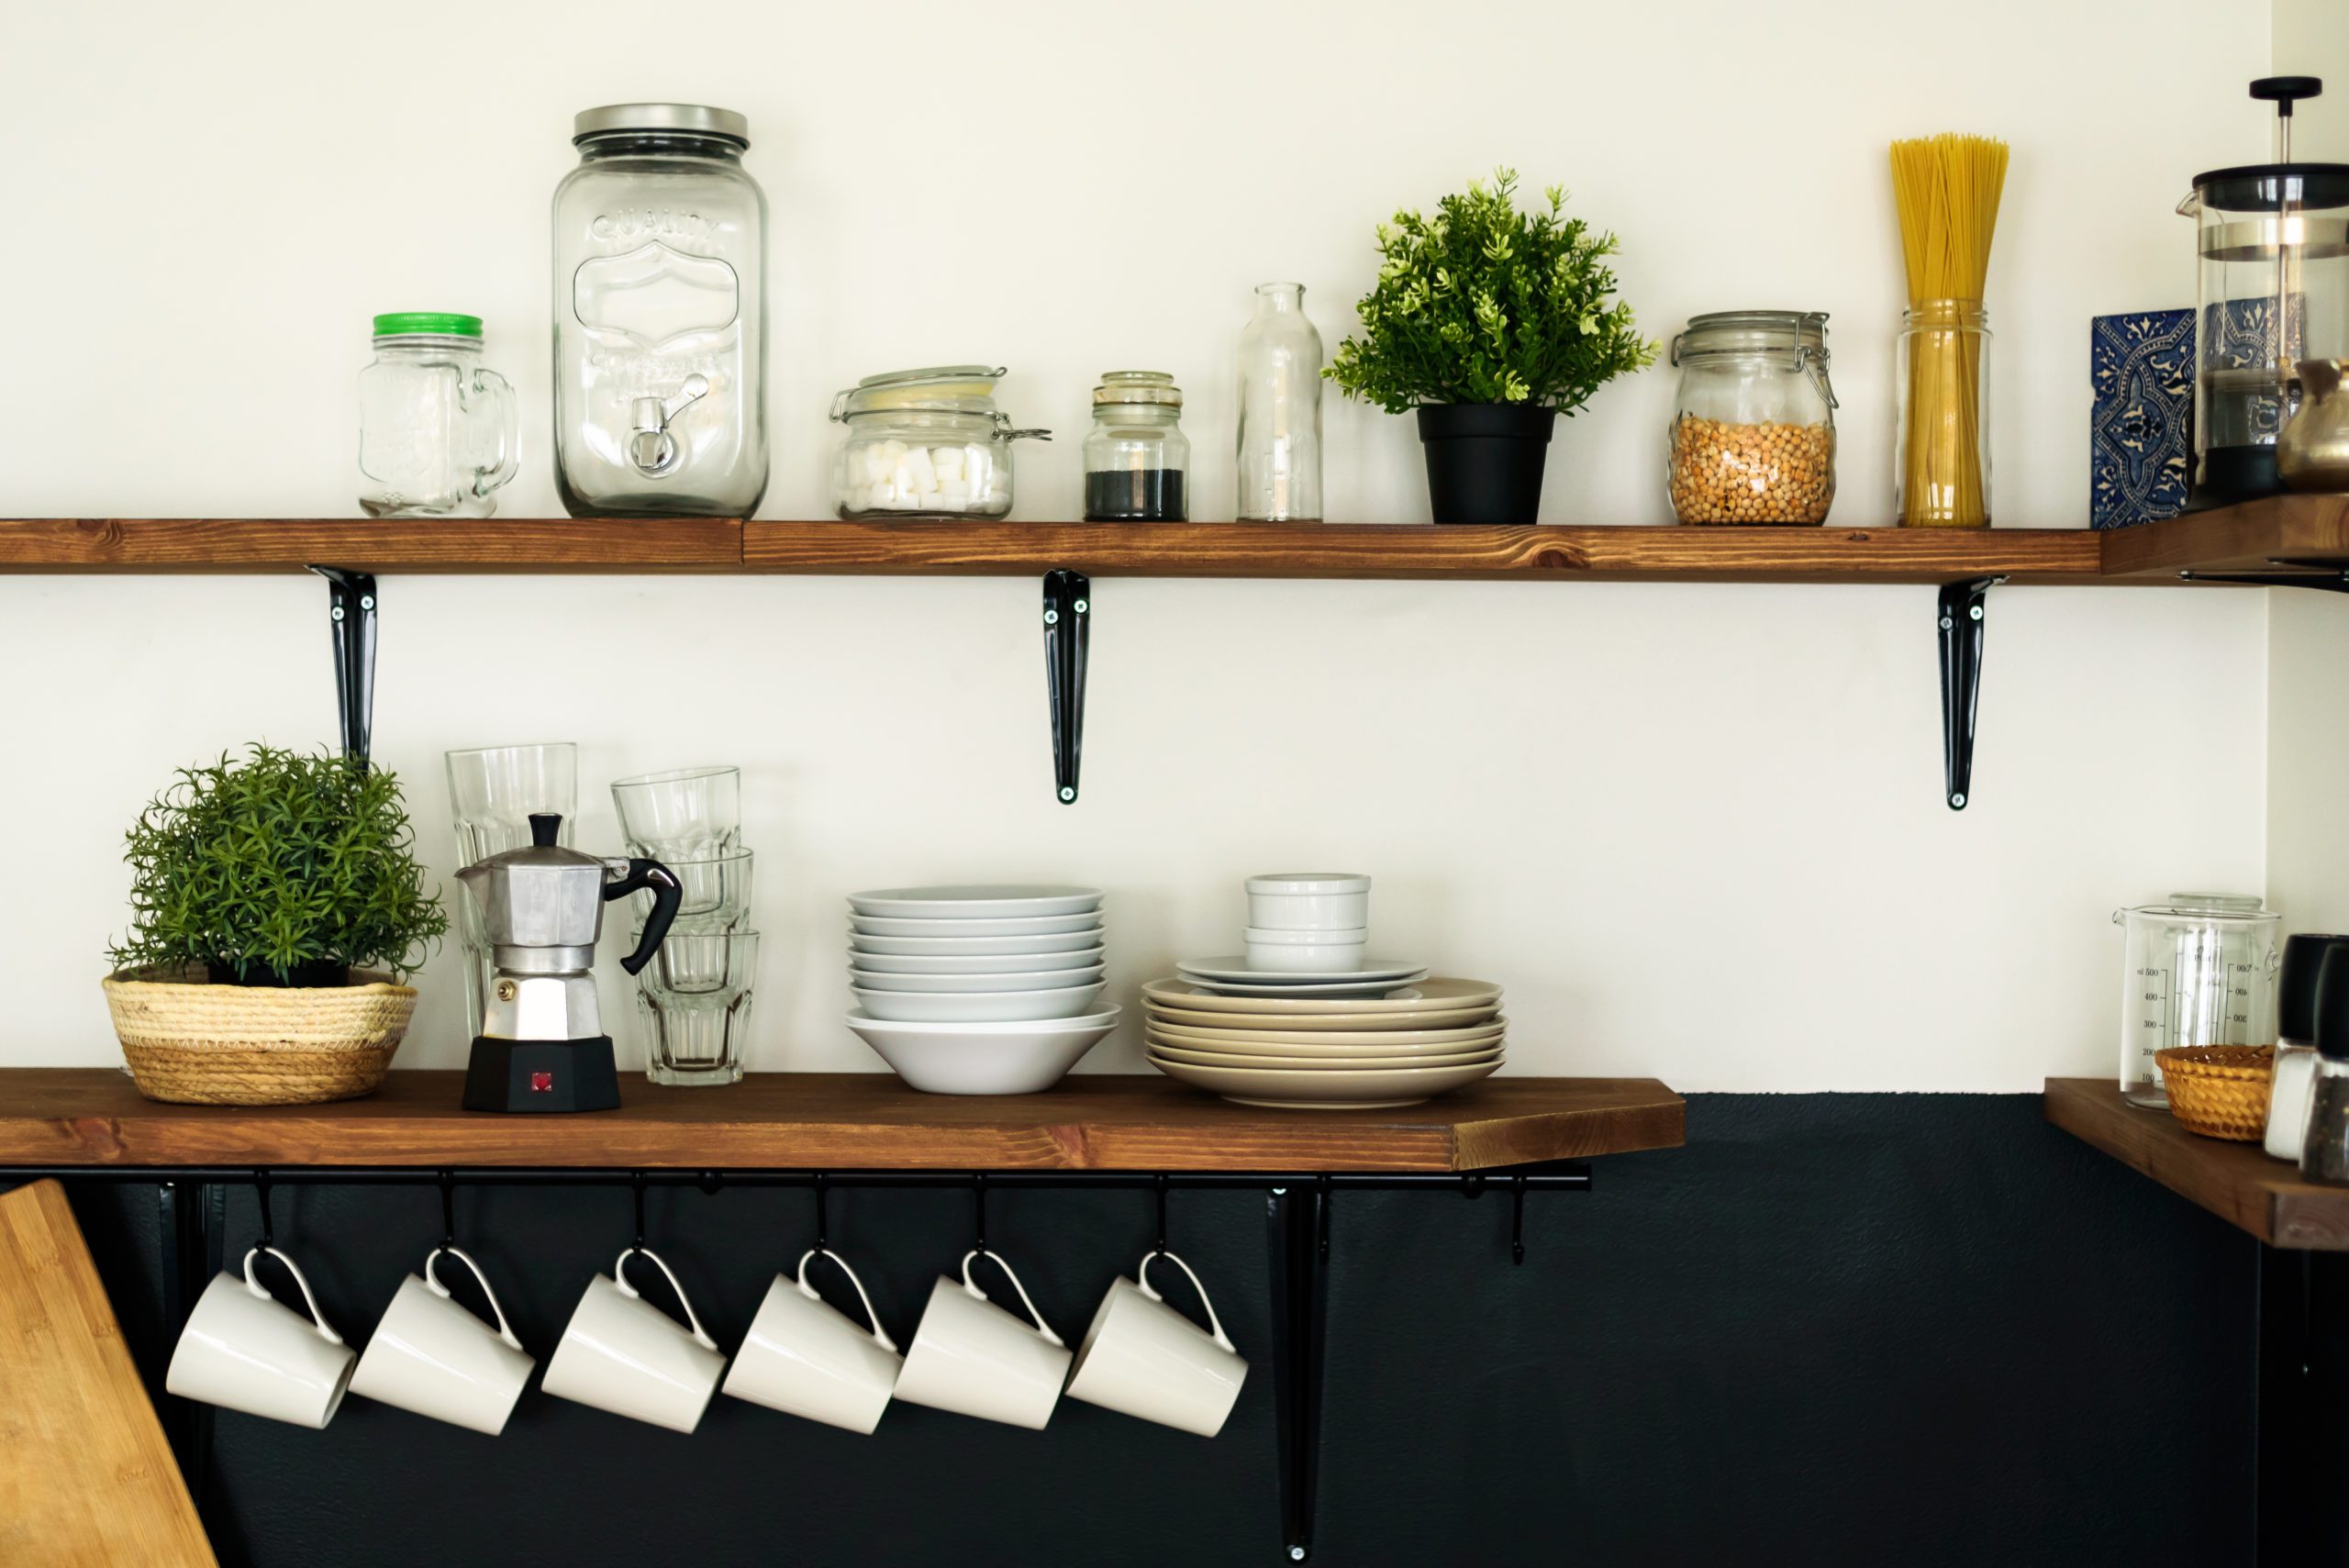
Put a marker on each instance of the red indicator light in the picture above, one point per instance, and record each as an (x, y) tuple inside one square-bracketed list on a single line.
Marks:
[(542, 1083)]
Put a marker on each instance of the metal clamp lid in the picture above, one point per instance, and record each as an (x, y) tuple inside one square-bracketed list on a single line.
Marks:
[(688, 120)]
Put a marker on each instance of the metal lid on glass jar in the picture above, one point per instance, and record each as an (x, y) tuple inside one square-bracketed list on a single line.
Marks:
[(937, 389), (1138, 386), (689, 120), (1754, 331)]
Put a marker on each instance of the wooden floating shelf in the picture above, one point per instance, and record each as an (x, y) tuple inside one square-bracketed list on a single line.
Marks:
[(93, 1116), (2237, 1182), (2310, 531)]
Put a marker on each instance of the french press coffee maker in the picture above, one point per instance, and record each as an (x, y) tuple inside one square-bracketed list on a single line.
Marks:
[(542, 1045), (2272, 243)]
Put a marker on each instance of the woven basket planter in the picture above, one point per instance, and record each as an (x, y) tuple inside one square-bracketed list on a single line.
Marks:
[(194, 1043), (2219, 1091)]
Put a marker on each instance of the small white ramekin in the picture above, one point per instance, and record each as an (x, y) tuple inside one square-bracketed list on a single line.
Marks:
[(1305, 952), (1309, 901)]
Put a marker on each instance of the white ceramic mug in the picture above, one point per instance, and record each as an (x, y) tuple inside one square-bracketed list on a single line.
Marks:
[(1144, 1358), (430, 1355), (621, 1353), (242, 1350), (805, 1357), (973, 1357)]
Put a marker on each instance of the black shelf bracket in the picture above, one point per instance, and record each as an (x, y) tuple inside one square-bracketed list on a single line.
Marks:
[(2324, 582), (1068, 616), (1959, 620), (350, 612)]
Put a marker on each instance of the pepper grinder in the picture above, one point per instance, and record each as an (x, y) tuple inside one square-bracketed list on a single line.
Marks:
[(2294, 1080), (2324, 1156)]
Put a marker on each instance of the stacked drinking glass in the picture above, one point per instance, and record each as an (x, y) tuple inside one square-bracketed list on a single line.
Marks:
[(693, 998)]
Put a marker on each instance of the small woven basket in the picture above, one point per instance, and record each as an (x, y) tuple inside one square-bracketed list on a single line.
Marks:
[(193, 1043), (2219, 1091)]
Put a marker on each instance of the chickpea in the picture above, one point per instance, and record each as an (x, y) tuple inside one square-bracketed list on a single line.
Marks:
[(1766, 473)]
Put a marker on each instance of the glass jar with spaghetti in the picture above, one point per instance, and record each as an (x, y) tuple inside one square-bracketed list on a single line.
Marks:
[(1941, 469), (1754, 429)]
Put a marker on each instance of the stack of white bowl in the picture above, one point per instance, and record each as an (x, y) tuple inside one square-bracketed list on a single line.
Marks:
[(1304, 1019), (978, 990)]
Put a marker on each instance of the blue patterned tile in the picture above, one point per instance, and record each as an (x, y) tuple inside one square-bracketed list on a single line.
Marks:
[(2141, 441)]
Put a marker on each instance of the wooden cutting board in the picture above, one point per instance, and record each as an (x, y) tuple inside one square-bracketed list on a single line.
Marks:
[(86, 1479)]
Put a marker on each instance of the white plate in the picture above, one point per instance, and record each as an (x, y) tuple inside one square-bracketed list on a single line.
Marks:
[(1360, 1023), (973, 947), (1369, 1042), (1002, 901), (977, 963), (983, 1059), (1288, 1089), (950, 925), (973, 985), (1234, 970), (1182, 1056), (1325, 989), (1425, 996), (976, 1007)]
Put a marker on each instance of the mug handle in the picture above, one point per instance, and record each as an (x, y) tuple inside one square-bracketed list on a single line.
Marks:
[(1215, 1324), (318, 1318), (432, 1283), (620, 1278), (880, 1335), (497, 412), (1033, 1315)]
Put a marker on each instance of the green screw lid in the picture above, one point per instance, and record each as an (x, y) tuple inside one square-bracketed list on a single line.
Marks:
[(436, 323)]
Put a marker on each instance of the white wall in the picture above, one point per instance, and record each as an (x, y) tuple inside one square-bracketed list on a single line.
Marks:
[(1696, 830), (2308, 636)]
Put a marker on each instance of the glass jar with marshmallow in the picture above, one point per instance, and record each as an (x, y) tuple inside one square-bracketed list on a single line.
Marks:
[(925, 443)]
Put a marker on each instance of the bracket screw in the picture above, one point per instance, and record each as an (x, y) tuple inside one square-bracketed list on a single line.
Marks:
[(1051, 617), (1068, 792), (1976, 613)]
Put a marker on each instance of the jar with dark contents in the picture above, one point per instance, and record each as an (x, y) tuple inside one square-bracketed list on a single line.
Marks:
[(1136, 457)]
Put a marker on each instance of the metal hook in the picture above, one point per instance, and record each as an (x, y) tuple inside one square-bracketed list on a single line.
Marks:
[(261, 1195), (447, 1208), (1158, 1185), (820, 1179), (979, 1204), (636, 1180), (1516, 1217)]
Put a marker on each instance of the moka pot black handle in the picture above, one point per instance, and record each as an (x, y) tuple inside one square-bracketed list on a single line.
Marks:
[(667, 894)]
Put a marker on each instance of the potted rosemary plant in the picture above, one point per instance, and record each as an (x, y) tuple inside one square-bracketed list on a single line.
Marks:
[(276, 902), (1490, 323)]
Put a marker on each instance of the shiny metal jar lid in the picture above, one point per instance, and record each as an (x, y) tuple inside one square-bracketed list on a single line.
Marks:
[(1754, 331), (1139, 386), (691, 119), (941, 389)]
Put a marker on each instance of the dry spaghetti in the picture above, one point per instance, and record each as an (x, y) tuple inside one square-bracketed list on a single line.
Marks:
[(1947, 189)]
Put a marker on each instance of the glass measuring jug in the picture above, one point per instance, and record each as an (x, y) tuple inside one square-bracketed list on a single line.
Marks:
[(2199, 969)]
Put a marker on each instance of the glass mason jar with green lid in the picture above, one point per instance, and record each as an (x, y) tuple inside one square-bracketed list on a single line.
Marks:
[(437, 429)]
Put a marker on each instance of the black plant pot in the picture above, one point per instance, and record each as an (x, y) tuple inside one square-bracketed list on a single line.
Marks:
[(316, 973), (1485, 460)]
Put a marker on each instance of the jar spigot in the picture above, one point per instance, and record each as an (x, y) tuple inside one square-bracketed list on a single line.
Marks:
[(653, 449)]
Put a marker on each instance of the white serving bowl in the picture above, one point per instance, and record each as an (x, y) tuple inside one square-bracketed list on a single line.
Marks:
[(1305, 952), (973, 947), (971, 985), (983, 1059), (976, 1007), (984, 902), (958, 926), (982, 964), (1309, 901)]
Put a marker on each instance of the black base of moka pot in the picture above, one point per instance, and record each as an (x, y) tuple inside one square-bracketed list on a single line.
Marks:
[(542, 1075)]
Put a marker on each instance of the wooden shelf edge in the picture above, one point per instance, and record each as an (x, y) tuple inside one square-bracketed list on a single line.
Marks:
[(93, 1117), (2283, 531), (2237, 1182), (370, 544)]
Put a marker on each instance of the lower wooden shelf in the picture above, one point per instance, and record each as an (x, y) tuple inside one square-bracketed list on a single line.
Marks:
[(93, 1116), (2237, 1182)]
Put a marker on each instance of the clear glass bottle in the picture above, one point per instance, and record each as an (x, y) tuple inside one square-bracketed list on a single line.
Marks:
[(2200, 969), (925, 443), (659, 324), (1941, 469), (437, 431), (1280, 410), (1753, 428), (1136, 456)]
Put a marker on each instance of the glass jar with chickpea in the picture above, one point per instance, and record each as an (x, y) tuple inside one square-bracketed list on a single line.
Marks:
[(1754, 429)]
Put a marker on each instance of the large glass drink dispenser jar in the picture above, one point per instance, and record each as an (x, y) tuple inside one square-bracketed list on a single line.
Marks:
[(2199, 969), (2273, 241), (659, 325)]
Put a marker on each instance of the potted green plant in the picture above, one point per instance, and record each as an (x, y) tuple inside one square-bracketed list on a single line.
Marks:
[(266, 894), (1490, 323)]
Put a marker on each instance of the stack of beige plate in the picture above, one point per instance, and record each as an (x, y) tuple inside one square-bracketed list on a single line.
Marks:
[(1325, 1053)]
